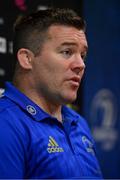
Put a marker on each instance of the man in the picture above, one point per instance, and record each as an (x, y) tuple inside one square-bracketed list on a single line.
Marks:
[(40, 136)]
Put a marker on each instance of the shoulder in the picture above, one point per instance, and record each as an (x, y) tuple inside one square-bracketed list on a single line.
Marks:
[(12, 145), (13, 134), (4, 103), (11, 119), (7, 108)]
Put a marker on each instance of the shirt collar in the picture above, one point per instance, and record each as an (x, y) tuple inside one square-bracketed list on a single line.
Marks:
[(70, 115), (24, 102)]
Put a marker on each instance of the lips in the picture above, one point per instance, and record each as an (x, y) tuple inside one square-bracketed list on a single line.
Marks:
[(75, 81)]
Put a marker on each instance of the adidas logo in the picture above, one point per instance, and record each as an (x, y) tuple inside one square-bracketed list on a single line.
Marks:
[(53, 146)]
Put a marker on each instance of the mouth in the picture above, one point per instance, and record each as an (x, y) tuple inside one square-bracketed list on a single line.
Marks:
[(75, 81)]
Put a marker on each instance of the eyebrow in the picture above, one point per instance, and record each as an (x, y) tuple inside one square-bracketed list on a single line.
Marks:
[(68, 43), (72, 44)]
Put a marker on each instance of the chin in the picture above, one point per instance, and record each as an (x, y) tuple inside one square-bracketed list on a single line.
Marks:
[(70, 99)]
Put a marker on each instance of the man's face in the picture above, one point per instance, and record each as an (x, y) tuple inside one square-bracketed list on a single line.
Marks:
[(58, 70)]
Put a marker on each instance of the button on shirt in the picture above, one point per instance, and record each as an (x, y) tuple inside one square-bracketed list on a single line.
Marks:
[(33, 144)]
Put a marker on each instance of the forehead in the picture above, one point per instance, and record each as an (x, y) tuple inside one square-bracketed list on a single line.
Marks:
[(61, 34)]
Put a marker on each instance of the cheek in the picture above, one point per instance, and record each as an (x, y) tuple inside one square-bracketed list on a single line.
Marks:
[(52, 67), (50, 74), (55, 68)]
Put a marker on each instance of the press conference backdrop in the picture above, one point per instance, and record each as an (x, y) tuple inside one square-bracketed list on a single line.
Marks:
[(100, 88), (102, 81)]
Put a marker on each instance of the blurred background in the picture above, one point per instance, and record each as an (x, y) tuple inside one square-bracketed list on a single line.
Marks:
[(99, 95)]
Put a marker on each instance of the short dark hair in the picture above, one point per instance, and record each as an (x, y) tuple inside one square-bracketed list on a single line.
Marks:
[(30, 30)]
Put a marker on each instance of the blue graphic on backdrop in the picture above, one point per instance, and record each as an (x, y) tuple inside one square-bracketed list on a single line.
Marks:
[(102, 82), (103, 115)]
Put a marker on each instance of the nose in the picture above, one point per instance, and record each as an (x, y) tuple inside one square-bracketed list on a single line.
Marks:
[(78, 65)]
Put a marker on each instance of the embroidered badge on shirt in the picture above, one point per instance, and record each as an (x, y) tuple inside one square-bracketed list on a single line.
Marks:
[(53, 147), (88, 145), (31, 110)]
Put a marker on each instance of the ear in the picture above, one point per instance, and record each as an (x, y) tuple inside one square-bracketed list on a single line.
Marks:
[(25, 57)]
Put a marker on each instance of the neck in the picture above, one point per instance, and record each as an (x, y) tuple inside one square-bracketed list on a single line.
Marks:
[(48, 106), (52, 109)]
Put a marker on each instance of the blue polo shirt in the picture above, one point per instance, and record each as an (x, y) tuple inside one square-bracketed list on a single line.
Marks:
[(33, 144)]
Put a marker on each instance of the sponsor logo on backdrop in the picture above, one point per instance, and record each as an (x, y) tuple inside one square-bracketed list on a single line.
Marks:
[(2, 72), (42, 7), (10, 47), (103, 116), (6, 46), (1, 92), (3, 45), (21, 4), (1, 21)]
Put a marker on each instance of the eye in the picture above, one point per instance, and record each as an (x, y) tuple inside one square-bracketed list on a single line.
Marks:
[(67, 53), (83, 56)]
